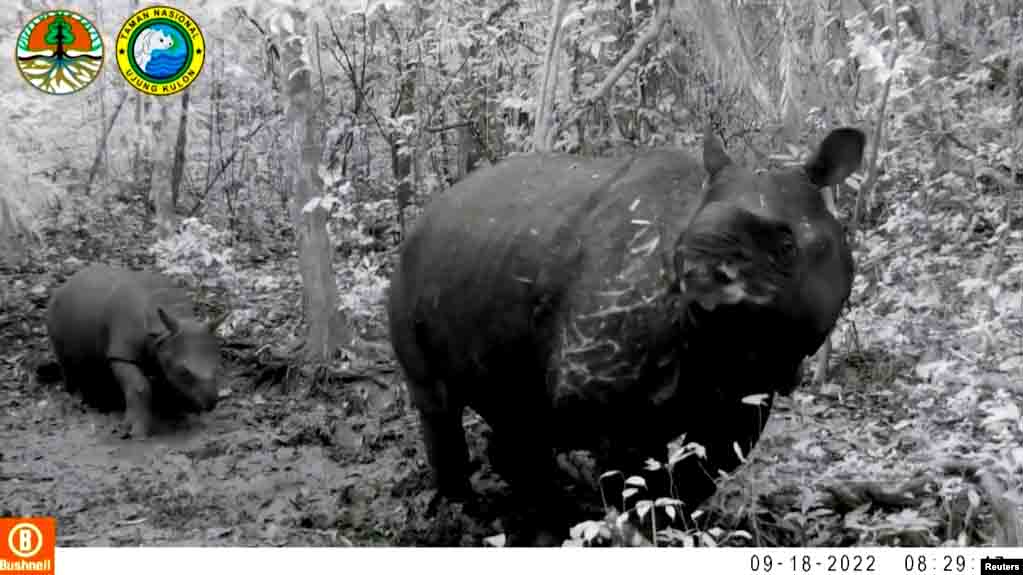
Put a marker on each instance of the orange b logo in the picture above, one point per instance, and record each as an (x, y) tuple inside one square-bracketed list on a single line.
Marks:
[(27, 545)]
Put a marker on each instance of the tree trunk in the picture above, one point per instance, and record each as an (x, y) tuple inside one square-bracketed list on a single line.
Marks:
[(140, 176), (216, 96), (181, 142), (101, 136), (326, 329), (163, 167), (14, 234), (545, 102), (442, 119), (136, 164), (463, 150), (401, 152), (97, 160)]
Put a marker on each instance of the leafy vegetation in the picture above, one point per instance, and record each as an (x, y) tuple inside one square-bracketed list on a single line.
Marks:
[(910, 433)]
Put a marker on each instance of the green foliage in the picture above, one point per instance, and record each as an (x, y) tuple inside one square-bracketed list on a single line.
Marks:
[(59, 32)]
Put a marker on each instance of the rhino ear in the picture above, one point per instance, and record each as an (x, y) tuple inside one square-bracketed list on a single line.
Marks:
[(214, 323), (168, 320), (714, 156), (838, 156)]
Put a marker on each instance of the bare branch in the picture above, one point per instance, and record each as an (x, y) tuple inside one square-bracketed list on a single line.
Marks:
[(499, 12), (663, 10), (103, 142), (444, 128)]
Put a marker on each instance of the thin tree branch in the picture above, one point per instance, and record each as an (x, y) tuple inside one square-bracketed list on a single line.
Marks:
[(224, 164), (444, 128), (499, 12), (350, 70), (103, 142), (649, 35)]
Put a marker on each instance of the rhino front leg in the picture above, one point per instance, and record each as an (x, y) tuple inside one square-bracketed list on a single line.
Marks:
[(737, 427), (138, 394)]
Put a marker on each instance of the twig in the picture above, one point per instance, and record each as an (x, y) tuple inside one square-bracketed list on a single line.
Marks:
[(103, 142), (444, 128), (651, 34), (226, 163), (496, 14), (349, 68)]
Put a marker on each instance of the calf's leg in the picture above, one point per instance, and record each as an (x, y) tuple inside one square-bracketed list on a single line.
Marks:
[(138, 409)]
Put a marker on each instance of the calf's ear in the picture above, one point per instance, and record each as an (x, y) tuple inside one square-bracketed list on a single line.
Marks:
[(838, 156), (168, 320), (214, 323)]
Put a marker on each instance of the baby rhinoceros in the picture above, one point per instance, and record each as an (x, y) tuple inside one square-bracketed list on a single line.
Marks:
[(128, 340)]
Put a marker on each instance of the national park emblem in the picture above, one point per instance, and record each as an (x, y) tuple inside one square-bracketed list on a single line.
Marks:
[(160, 50), (59, 52)]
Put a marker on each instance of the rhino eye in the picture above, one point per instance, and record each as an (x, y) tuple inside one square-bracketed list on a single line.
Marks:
[(181, 371), (787, 248)]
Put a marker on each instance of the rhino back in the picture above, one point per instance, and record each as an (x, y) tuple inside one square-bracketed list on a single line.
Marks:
[(103, 310), (158, 290), (504, 270)]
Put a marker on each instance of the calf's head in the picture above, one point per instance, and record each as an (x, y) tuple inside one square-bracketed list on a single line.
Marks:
[(767, 240), (189, 357)]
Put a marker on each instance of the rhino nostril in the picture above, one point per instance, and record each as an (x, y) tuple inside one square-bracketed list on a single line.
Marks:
[(209, 401)]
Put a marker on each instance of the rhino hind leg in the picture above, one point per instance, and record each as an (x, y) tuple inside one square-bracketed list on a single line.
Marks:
[(69, 374), (93, 385), (447, 452), (524, 457)]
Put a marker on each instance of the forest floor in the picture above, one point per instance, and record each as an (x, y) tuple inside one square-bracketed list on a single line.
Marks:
[(905, 444)]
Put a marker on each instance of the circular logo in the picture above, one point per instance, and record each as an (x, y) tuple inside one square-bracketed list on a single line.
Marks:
[(160, 50), (59, 52), (25, 540)]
